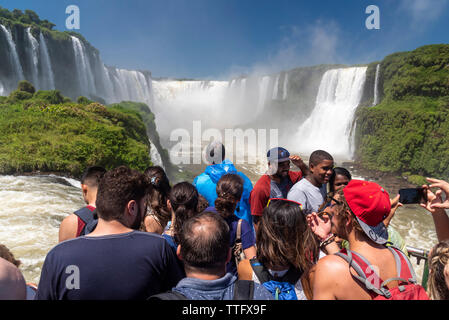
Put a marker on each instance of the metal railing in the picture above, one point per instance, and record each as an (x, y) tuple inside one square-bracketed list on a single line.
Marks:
[(420, 254)]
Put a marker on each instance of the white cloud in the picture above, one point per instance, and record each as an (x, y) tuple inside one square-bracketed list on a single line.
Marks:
[(423, 11)]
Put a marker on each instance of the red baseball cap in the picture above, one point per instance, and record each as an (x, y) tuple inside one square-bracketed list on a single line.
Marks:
[(370, 203)]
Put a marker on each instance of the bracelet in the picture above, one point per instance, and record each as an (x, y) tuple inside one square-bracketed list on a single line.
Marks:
[(330, 238)]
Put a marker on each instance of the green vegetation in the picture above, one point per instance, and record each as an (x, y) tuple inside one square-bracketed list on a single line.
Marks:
[(148, 119), (47, 132), (409, 130), (28, 17)]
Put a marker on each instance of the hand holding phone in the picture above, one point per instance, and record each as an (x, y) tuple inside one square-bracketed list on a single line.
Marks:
[(412, 195)]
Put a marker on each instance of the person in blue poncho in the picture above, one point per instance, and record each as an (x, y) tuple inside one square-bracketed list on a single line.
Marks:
[(206, 183)]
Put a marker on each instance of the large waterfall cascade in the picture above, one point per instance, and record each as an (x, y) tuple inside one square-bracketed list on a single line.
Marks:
[(15, 61), (329, 126), (33, 56), (48, 79)]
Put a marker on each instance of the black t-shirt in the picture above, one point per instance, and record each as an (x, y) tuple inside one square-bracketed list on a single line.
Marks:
[(129, 266)]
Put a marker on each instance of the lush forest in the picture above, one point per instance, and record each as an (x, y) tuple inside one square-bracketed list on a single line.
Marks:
[(44, 131), (408, 132)]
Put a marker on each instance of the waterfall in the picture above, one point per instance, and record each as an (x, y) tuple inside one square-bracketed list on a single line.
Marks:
[(15, 61), (2, 89), (86, 79), (376, 89), (284, 93), (48, 81), (263, 90), (33, 57), (155, 156), (329, 126), (275, 88)]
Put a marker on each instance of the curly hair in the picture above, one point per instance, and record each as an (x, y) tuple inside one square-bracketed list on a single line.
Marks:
[(438, 261), (184, 202), (157, 199), (284, 238), (116, 189), (229, 191)]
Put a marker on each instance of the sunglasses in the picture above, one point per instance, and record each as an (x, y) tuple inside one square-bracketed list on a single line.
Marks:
[(282, 199)]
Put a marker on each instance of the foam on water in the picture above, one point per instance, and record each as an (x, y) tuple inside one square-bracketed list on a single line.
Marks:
[(33, 208)]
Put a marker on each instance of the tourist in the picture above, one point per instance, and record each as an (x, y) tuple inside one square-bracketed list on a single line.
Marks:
[(206, 182), (286, 250), (183, 203), (229, 191), (158, 214), (83, 220), (12, 283), (438, 281), (204, 250), (357, 215), (436, 206), (277, 182), (340, 177), (6, 254), (115, 261), (311, 191)]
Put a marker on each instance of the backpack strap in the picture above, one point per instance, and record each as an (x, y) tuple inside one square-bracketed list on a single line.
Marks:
[(359, 264), (86, 216), (92, 224), (261, 272), (169, 295), (292, 276), (243, 290), (238, 236), (405, 272)]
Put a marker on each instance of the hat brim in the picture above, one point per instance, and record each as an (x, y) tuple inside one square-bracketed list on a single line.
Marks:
[(378, 234)]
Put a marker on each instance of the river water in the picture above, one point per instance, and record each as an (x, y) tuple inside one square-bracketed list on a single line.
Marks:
[(34, 206)]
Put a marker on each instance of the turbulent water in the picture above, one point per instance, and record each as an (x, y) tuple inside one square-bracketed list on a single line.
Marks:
[(33, 208)]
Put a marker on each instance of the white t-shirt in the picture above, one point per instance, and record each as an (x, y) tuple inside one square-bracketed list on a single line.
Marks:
[(309, 196)]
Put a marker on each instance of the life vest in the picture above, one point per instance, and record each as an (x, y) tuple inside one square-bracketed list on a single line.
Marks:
[(87, 220), (407, 288)]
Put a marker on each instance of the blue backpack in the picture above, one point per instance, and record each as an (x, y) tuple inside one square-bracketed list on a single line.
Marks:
[(282, 288)]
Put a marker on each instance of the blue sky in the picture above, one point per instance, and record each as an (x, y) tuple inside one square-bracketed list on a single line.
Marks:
[(216, 39)]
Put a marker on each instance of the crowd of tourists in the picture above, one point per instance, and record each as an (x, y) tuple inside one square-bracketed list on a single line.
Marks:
[(310, 233)]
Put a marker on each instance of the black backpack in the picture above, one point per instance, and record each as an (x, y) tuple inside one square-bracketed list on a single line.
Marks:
[(89, 218), (243, 290)]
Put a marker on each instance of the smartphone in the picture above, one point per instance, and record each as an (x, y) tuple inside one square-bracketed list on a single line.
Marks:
[(412, 195)]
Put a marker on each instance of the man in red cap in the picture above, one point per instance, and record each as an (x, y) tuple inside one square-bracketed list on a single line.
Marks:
[(356, 214)]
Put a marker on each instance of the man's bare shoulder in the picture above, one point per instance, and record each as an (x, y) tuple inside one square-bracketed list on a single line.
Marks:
[(331, 265), (68, 227)]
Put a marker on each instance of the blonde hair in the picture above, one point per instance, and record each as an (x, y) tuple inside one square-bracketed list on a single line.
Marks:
[(438, 260)]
